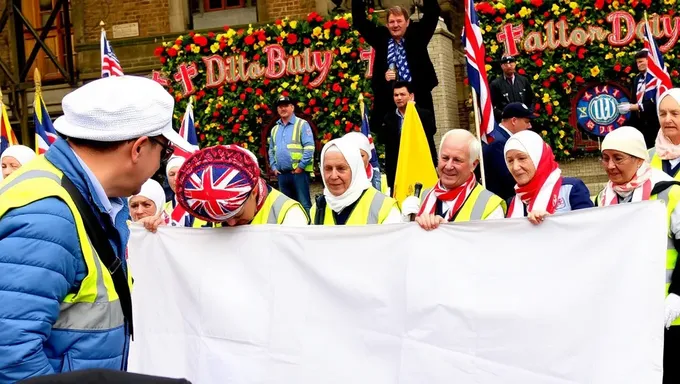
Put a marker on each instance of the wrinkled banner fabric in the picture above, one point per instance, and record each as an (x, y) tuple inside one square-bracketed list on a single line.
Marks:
[(578, 299)]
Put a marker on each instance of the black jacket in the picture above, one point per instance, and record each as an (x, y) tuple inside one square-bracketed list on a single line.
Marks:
[(646, 121), (390, 136), (503, 93), (416, 39)]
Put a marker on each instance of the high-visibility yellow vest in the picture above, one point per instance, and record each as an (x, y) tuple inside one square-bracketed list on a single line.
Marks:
[(295, 147), (670, 196), (478, 206), (656, 163), (274, 209), (38, 180), (372, 208), (198, 223)]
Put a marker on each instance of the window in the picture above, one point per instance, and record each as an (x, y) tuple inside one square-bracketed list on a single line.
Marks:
[(218, 5)]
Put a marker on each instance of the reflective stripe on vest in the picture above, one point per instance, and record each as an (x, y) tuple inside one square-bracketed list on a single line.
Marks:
[(295, 147), (671, 253), (95, 306), (656, 163), (372, 208), (274, 209), (478, 205)]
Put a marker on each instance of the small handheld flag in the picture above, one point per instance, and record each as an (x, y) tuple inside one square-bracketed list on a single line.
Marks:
[(45, 134), (7, 137), (110, 64), (657, 76), (188, 130)]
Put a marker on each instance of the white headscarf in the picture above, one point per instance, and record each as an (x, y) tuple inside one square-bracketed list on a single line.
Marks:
[(174, 162), (361, 141), (664, 147), (22, 153), (154, 192), (359, 181)]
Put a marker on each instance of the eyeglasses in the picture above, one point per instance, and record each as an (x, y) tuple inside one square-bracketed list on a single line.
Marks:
[(617, 160), (168, 149)]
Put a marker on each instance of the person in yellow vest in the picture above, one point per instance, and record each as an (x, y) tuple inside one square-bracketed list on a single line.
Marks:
[(222, 185), (366, 147), (65, 300), (291, 152), (348, 197), (457, 196), (13, 158), (631, 179), (148, 202), (665, 156)]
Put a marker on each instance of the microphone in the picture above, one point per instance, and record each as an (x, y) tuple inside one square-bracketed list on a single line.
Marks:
[(393, 68), (416, 192)]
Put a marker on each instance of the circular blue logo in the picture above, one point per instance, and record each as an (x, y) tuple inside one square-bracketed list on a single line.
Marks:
[(597, 110)]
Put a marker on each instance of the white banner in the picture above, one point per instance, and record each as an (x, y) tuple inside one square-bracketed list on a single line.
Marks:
[(578, 299)]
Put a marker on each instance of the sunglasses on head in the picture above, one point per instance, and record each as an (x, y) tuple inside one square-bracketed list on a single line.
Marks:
[(168, 148)]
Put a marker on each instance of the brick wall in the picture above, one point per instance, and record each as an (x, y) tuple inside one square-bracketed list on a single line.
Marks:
[(275, 9), (152, 16)]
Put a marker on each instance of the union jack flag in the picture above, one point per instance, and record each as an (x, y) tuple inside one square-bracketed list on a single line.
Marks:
[(45, 134), (217, 192), (110, 64), (476, 68), (188, 131), (657, 76)]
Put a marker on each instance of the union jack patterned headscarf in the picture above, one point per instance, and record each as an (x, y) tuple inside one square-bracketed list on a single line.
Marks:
[(215, 182)]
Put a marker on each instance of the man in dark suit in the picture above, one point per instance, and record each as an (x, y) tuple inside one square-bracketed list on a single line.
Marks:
[(509, 88), (516, 118), (643, 109), (400, 54), (390, 132)]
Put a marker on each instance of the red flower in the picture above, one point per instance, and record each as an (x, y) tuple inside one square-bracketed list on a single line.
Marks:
[(249, 90), (342, 24), (549, 109), (536, 3), (617, 67), (292, 38), (172, 52), (532, 22), (201, 41), (370, 11), (233, 87), (277, 22), (211, 35), (546, 14), (236, 128), (570, 76), (565, 85), (361, 40), (306, 41), (258, 92), (220, 139), (345, 108), (279, 39), (599, 4), (158, 51), (226, 28), (163, 59), (312, 102), (285, 93), (249, 40), (559, 70), (191, 33), (305, 80), (202, 136), (261, 36), (244, 111), (241, 118), (522, 72), (579, 80), (337, 88), (628, 69), (242, 97), (256, 57), (537, 107), (353, 55), (546, 84), (348, 126), (675, 73), (552, 79), (187, 48), (266, 81), (216, 114), (488, 59), (337, 122), (308, 111), (220, 91), (311, 17), (327, 25), (337, 102), (179, 42), (234, 111), (498, 19)]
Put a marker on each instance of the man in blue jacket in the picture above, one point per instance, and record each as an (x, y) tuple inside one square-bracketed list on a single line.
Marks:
[(62, 305), (516, 118)]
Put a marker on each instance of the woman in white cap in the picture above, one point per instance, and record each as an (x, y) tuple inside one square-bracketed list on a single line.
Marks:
[(348, 197), (631, 179), (148, 202), (14, 157), (665, 156), (540, 190), (177, 215), (361, 141)]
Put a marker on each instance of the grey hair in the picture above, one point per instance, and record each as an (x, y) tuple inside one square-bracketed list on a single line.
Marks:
[(461, 134)]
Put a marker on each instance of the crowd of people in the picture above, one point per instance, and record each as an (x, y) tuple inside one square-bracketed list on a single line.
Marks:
[(65, 216)]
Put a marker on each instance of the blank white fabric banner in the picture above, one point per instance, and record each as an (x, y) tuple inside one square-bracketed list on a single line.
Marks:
[(578, 299)]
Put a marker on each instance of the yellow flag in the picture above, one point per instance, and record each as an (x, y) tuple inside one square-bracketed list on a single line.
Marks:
[(415, 160)]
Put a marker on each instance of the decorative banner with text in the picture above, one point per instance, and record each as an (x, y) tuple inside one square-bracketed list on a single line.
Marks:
[(236, 75), (384, 304), (563, 47)]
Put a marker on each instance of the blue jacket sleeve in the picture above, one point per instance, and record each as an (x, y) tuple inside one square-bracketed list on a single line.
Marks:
[(271, 152), (580, 196), (307, 145), (40, 262)]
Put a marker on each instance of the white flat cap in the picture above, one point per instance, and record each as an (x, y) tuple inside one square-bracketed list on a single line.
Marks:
[(119, 108)]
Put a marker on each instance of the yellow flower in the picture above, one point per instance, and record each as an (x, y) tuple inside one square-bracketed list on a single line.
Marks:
[(555, 8), (620, 54), (344, 49), (608, 56), (499, 5), (250, 29), (488, 28), (566, 152), (488, 67), (561, 132), (256, 107), (353, 86), (594, 71), (544, 133), (327, 34), (356, 78), (555, 118), (494, 48), (508, 16), (261, 44), (215, 47), (615, 5), (524, 12), (536, 76), (546, 98), (195, 48), (316, 31), (560, 146), (285, 85), (293, 24), (245, 145), (556, 103), (251, 139), (283, 34), (573, 5)]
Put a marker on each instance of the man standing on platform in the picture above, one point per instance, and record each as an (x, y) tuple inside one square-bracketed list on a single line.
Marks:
[(291, 153), (644, 116), (509, 88), (400, 54)]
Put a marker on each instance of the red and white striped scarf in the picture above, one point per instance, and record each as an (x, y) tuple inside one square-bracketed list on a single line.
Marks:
[(640, 186), (457, 195), (542, 192)]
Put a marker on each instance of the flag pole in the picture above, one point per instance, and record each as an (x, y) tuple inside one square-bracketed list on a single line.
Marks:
[(361, 104), (475, 104), (36, 101)]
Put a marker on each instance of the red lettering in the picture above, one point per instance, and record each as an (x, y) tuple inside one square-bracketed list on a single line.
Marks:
[(368, 55), (275, 56), (184, 75), (212, 80), (510, 36), (159, 78), (615, 18)]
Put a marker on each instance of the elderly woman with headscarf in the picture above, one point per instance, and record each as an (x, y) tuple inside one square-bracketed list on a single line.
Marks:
[(372, 172), (631, 179), (665, 155), (540, 190), (348, 197), (14, 157), (148, 202), (177, 215)]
